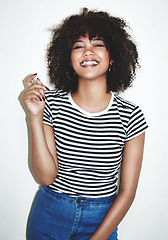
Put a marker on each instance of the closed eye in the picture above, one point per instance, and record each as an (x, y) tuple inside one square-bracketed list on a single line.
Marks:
[(77, 47), (98, 45)]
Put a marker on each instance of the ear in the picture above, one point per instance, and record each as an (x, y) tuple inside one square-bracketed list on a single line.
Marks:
[(111, 62)]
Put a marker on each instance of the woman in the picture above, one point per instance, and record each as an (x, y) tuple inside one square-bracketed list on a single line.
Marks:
[(83, 132)]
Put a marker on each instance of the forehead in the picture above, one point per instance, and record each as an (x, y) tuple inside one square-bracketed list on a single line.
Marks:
[(88, 38)]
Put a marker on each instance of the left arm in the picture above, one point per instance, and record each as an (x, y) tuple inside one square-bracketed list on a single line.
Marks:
[(130, 171)]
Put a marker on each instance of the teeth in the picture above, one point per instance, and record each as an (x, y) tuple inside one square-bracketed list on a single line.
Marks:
[(87, 63)]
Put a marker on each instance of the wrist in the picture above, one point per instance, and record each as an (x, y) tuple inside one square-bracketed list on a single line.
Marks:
[(36, 119)]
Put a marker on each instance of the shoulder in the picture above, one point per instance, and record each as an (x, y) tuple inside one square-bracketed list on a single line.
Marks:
[(123, 102), (124, 105), (131, 116), (128, 110), (55, 94)]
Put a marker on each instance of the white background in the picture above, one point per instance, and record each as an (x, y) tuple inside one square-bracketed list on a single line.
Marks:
[(24, 36)]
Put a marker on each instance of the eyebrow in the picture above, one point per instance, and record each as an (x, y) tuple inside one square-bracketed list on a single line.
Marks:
[(97, 39), (78, 41), (93, 39)]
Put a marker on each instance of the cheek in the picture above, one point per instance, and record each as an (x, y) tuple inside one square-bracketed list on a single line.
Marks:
[(105, 58), (104, 55), (74, 58), (75, 61)]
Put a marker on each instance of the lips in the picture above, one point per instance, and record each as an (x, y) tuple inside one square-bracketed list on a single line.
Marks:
[(89, 63)]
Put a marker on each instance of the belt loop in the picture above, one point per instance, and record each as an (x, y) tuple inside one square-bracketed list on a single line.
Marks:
[(78, 200)]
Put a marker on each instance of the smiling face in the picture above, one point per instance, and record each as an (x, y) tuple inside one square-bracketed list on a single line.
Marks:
[(90, 58)]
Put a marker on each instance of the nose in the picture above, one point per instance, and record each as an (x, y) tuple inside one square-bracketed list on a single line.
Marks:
[(88, 51)]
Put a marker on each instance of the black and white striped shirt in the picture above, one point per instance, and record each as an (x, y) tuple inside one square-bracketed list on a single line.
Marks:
[(90, 145)]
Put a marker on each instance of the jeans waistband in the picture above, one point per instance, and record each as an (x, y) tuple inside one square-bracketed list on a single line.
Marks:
[(78, 199)]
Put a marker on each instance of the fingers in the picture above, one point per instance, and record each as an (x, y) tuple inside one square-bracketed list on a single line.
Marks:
[(30, 80), (35, 89), (34, 94), (35, 83)]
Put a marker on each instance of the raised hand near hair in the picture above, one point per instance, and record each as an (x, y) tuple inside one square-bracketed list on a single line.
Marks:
[(43, 150), (33, 97)]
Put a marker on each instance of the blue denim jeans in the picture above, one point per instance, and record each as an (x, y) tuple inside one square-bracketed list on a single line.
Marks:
[(58, 216)]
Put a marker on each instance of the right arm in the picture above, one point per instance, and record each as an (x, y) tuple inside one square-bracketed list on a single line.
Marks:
[(44, 158)]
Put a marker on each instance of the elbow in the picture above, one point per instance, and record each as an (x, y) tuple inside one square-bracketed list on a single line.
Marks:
[(132, 197), (44, 176), (46, 181), (129, 195)]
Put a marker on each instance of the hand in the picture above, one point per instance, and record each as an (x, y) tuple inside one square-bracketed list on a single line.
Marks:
[(34, 97)]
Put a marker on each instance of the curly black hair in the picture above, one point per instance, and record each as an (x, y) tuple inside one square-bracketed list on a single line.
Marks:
[(113, 30)]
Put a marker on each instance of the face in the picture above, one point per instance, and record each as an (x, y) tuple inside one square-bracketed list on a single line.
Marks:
[(90, 58)]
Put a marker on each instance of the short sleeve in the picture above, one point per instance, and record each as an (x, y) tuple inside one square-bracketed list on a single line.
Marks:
[(47, 116), (136, 125)]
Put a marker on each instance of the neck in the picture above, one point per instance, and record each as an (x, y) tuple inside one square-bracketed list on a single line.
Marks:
[(92, 95), (92, 89)]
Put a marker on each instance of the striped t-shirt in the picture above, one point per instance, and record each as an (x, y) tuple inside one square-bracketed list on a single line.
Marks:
[(90, 145)]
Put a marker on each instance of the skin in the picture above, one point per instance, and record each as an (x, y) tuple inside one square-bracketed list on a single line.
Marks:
[(43, 143), (91, 94), (92, 97)]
